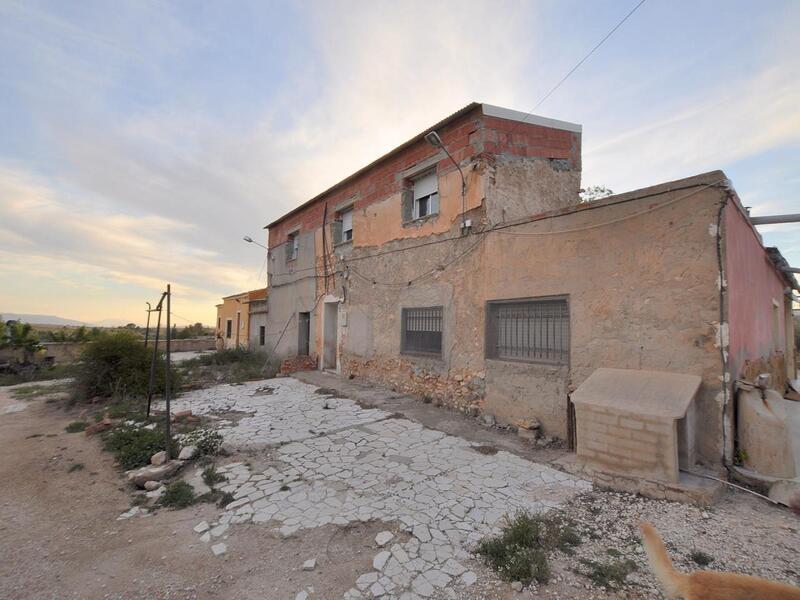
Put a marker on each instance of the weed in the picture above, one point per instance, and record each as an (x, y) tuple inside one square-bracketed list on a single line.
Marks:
[(211, 477), (76, 427), (139, 500), (56, 372), (701, 558), (75, 467), (225, 498), (610, 575), (178, 494), (613, 552), (520, 552), (133, 445), (231, 366), (31, 392), (207, 441), (284, 488)]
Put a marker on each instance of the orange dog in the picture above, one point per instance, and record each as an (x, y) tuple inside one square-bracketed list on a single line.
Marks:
[(708, 585)]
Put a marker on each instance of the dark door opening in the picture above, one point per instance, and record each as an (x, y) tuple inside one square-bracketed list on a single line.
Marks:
[(304, 333)]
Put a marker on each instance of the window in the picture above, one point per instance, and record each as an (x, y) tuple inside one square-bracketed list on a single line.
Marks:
[(422, 330), (342, 226), (422, 197), (528, 330), (292, 246), (426, 195), (219, 323), (228, 328), (262, 334), (347, 225)]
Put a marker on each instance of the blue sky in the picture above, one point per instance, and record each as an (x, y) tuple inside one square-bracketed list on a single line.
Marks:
[(141, 140)]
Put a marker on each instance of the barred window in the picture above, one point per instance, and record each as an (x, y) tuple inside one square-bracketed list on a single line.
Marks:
[(422, 330), (528, 330)]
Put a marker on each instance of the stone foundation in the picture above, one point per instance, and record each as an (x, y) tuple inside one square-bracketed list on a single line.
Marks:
[(461, 389), (298, 363)]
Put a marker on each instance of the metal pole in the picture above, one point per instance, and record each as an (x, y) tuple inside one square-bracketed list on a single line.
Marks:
[(767, 219), (147, 329), (166, 381), (155, 354)]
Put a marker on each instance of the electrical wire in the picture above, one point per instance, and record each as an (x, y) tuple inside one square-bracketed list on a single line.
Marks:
[(580, 62)]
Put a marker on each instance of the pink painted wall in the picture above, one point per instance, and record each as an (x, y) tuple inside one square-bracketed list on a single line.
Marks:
[(753, 284)]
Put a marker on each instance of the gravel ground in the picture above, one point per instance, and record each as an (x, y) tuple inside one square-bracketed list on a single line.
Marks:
[(741, 534)]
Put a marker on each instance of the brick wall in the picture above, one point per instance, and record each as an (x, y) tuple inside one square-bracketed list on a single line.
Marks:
[(298, 363), (469, 136), (627, 443)]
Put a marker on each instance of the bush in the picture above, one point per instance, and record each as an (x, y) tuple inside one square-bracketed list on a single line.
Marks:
[(207, 441), (76, 427), (118, 365), (520, 552), (211, 477), (133, 445), (178, 495), (233, 366)]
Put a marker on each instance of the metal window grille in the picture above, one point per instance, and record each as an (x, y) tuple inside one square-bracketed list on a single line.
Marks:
[(422, 330), (529, 330)]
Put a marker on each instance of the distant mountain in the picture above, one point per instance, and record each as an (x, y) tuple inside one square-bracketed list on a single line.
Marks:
[(40, 319), (60, 321)]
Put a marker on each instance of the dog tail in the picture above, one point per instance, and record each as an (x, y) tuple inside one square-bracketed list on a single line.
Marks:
[(674, 583)]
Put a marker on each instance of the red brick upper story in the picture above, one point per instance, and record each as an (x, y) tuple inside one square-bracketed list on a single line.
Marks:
[(478, 137)]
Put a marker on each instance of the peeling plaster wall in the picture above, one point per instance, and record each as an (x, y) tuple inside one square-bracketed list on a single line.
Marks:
[(292, 289), (642, 294)]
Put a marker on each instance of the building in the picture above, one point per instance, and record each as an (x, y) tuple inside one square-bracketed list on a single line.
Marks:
[(483, 283), (233, 319)]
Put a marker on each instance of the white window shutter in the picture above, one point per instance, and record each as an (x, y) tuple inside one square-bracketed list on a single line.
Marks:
[(434, 204), (426, 185), (347, 220)]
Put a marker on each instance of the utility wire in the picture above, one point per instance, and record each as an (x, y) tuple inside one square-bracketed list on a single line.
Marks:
[(581, 61)]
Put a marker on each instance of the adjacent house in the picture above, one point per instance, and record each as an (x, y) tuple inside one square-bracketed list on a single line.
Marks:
[(234, 316), (463, 267)]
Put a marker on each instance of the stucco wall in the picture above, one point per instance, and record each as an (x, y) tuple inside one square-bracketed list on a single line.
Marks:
[(757, 307), (292, 289), (642, 294), (229, 309)]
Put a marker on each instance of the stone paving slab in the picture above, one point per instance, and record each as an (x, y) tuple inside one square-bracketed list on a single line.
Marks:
[(344, 464)]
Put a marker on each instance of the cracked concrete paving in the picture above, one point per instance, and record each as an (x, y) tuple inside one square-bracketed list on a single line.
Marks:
[(335, 462)]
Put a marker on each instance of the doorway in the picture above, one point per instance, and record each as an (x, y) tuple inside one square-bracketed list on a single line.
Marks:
[(303, 333), (330, 335)]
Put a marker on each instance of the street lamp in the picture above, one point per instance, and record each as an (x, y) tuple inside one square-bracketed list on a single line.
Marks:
[(434, 140), (250, 240)]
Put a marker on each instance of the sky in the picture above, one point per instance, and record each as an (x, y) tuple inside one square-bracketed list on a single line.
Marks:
[(140, 141)]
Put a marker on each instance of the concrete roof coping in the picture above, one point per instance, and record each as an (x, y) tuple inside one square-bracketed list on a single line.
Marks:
[(648, 393), (491, 110)]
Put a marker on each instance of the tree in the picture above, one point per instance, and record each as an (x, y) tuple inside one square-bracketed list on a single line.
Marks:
[(595, 192), (19, 336)]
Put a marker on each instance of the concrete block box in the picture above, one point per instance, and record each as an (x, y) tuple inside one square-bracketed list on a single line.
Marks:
[(636, 423)]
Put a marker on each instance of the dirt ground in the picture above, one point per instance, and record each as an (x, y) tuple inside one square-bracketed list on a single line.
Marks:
[(59, 537)]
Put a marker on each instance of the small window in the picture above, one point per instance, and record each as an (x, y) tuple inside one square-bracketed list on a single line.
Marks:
[(292, 246), (262, 334), (219, 323), (347, 225), (426, 195), (528, 330), (228, 328), (422, 330)]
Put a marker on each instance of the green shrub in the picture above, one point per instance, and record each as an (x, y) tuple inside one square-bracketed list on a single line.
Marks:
[(133, 445), (207, 441), (234, 365), (211, 477), (520, 552), (178, 494), (117, 365), (76, 427), (609, 575)]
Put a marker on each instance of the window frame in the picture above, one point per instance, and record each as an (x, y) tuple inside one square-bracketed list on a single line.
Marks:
[(228, 328), (404, 314), (345, 238), (427, 199), (490, 339), (262, 335), (293, 249)]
